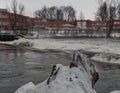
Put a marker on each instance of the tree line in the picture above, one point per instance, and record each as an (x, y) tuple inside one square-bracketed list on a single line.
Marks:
[(108, 10), (16, 18), (67, 13)]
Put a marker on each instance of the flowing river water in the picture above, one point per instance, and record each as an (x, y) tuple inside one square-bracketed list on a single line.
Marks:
[(20, 66)]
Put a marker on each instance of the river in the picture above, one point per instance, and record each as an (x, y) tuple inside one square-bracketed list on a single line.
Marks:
[(20, 66)]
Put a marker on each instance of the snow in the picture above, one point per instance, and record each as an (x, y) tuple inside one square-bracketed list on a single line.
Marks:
[(97, 45), (115, 92), (107, 57), (108, 47), (27, 88), (77, 79), (32, 35), (115, 34)]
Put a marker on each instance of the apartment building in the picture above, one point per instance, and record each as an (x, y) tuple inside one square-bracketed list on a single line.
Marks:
[(3, 19), (39, 23), (9, 21), (25, 22)]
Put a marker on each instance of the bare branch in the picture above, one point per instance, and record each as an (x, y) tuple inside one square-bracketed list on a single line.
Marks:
[(14, 6), (21, 9)]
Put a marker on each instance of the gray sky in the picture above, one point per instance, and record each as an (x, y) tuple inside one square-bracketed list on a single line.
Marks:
[(88, 7)]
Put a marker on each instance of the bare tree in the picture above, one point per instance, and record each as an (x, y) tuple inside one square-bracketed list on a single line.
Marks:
[(37, 13), (13, 15), (17, 19), (69, 13), (107, 12), (43, 13), (21, 18), (102, 13), (118, 11), (52, 13), (21, 9)]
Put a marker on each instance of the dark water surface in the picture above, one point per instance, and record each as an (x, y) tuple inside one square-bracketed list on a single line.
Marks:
[(20, 66)]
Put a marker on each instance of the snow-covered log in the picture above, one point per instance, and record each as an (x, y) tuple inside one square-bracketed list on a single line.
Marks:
[(79, 77)]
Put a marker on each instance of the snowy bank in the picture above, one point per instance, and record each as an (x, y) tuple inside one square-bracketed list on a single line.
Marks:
[(94, 45), (115, 92), (79, 77), (107, 57), (109, 47), (26, 89)]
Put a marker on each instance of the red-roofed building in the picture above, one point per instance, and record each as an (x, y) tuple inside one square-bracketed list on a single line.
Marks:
[(25, 22), (10, 21), (3, 19)]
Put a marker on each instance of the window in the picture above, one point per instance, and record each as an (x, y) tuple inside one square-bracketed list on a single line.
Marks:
[(4, 20), (4, 13)]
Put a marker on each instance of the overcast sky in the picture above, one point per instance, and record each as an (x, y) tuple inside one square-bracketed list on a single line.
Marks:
[(88, 7)]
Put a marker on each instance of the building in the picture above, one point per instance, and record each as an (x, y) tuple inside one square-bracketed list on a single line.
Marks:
[(96, 25), (81, 24), (42, 23), (7, 22), (11, 21), (39, 23), (3, 19)]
